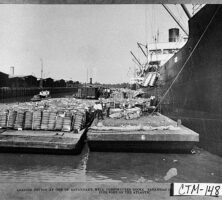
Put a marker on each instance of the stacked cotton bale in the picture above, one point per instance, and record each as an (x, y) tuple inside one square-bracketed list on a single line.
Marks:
[(36, 122), (132, 113), (11, 119), (19, 121), (78, 122), (67, 123), (53, 114), (52, 120), (59, 121), (28, 120), (45, 120), (3, 119)]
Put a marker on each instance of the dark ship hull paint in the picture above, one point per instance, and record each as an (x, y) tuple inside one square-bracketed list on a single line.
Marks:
[(196, 96)]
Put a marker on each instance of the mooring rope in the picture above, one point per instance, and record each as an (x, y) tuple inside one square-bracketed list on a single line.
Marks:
[(186, 60)]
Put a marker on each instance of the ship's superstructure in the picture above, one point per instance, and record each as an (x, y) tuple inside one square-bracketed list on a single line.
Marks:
[(157, 55)]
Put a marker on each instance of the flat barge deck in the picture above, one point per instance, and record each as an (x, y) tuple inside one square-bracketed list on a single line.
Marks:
[(147, 134), (52, 142)]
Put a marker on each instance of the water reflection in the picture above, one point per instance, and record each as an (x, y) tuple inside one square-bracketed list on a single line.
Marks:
[(125, 167), (144, 167), (108, 167), (39, 167)]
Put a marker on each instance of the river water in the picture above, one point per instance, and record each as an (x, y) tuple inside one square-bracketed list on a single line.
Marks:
[(108, 167), (28, 98)]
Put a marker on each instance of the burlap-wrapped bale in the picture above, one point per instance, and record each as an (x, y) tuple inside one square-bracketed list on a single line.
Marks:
[(45, 120), (11, 118), (28, 120), (19, 121), (59, 123), (3, 119), (52, 120), (78, 122), (36, 122), (67, 123)]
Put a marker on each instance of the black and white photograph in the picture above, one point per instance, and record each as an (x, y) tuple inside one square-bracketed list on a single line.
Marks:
[(110, 100)]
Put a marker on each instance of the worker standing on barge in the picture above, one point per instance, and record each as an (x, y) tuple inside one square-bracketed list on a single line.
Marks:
[(98, 110)]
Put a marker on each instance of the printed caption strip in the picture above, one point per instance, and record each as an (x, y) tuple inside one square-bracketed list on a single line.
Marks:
[(197, 189)]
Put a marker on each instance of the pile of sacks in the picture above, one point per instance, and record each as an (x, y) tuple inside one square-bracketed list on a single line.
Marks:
[(50, 104), (58, 120), (126, 108), (59, 114), (130, 113)]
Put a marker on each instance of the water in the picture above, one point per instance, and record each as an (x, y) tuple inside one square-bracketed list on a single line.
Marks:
[(110, 167), (28, 98)]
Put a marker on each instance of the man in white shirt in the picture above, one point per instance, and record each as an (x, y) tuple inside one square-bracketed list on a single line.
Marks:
[(98, 110)]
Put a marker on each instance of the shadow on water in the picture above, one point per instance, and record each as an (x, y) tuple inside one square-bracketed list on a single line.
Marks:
[(42, 167), (149, 167)]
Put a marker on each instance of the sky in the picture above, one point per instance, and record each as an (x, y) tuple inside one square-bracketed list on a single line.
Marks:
[(76, 42)]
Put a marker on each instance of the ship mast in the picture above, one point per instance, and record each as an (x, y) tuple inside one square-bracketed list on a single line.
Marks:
[(139, 45), (136, 59), (138, 63), (41, 81), (146, 54)]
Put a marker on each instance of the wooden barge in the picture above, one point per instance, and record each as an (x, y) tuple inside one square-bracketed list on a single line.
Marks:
[(147, 134), (50, 142)]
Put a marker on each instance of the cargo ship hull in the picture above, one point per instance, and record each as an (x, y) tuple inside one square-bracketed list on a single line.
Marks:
[(195, 96)]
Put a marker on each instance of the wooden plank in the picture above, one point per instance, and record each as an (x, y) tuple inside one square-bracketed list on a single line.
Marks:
[(141, 146), (36, 142), (41, 140), (156, 135), (41, 133)]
